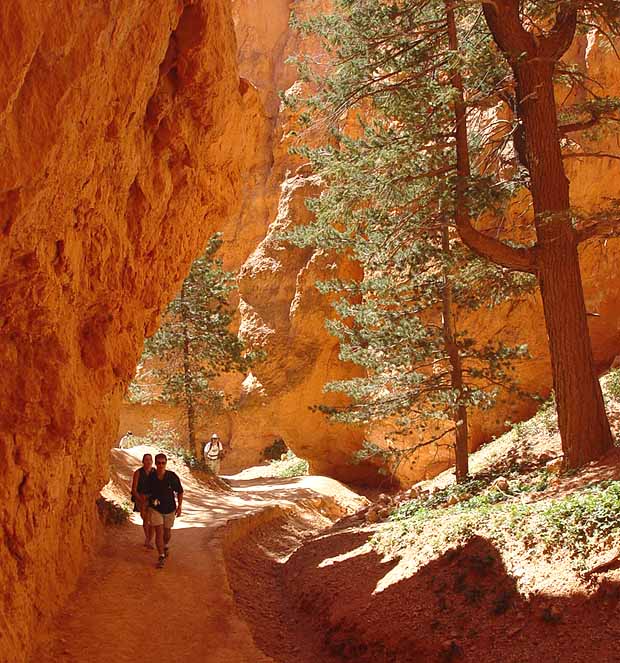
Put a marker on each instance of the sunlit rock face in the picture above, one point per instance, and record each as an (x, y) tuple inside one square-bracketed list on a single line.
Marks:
[(125, 133), (281, 312)]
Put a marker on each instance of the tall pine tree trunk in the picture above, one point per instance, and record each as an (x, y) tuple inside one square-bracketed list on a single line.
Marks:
[(190, 411), (456, 366), (582, 419)]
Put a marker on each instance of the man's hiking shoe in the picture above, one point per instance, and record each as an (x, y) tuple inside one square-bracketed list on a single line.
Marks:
[(166, 551), (161, 561), (148, 545)]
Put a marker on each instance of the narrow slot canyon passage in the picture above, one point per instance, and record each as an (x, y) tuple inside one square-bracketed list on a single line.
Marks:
[(359, 243)]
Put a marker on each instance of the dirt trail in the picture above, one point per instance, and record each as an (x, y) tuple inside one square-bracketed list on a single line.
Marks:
[(124, 609)]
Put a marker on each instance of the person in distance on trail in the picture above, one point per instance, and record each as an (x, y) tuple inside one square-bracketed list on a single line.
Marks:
[(140, 498), (213, 452), (162, 485)]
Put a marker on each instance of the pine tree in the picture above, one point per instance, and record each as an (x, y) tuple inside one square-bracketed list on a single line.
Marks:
[(400, 322), (437, 67), (533, 37), (194, 343), (387, 202)]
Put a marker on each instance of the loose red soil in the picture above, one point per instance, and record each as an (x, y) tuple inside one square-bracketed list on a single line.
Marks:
[(336, 599)]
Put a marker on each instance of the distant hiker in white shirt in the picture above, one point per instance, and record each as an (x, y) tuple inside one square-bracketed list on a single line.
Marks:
[(213, 452)]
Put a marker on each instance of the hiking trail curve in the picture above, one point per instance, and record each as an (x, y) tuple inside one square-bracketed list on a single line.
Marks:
[(124, 608)]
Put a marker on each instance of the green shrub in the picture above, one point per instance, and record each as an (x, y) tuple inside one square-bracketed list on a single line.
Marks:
[(113, 513), (290, 466), (575, 521), (612, 384), (439, 498), (192, 461)]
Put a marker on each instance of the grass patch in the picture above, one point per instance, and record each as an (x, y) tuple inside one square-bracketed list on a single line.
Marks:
[(612, 384), (523, 519), (289, 466), (575, 523)]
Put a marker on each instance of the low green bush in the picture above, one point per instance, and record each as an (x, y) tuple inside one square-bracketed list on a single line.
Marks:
[(576, 521), (612, 384), (290, 466), (113, 513)]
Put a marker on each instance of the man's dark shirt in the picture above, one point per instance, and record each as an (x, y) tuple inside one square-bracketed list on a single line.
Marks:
[(163, 490)]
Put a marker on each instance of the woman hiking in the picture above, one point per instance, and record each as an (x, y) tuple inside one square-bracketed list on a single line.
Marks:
[(140, 498)]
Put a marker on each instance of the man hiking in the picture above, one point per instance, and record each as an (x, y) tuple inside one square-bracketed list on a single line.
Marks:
[(213, 452), (140, 498), (161, 487)]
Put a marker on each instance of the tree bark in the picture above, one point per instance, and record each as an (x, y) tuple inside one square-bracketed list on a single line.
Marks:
[(459, 414), (187, 384), (521, 259), (582, 419)]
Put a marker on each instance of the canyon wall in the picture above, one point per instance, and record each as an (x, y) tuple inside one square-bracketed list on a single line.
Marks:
[(125, 135), (281, 312)]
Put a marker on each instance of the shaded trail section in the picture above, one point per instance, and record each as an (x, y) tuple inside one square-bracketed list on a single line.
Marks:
[(124, 609)]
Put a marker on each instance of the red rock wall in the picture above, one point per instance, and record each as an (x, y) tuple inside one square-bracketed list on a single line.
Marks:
[(281, 311), (125, 135)]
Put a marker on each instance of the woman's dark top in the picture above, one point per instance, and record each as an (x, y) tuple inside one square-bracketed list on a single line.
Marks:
[(142, 485), (142, 480)]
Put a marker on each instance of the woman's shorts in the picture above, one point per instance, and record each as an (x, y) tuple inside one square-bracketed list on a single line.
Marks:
[(165, 519)]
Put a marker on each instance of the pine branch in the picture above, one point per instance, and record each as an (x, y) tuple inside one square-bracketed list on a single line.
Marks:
[(553, 45), (512, 38), (521, 259), (606, 229)]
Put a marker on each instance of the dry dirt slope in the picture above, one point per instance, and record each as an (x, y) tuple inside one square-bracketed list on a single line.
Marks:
[(186, 612), (524, 567)]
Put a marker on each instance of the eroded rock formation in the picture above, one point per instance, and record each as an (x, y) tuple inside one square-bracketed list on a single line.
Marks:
[(127, 137), (125, 133), (281, 311)]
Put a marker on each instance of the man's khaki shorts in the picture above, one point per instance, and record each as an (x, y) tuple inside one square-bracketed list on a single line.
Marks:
[(165, 519)]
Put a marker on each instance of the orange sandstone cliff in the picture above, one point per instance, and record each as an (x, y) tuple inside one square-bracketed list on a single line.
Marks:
[(280, 310), (282, 313), (125, 136)]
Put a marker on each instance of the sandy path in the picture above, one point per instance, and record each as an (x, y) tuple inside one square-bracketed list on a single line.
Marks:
[(126, 610)]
